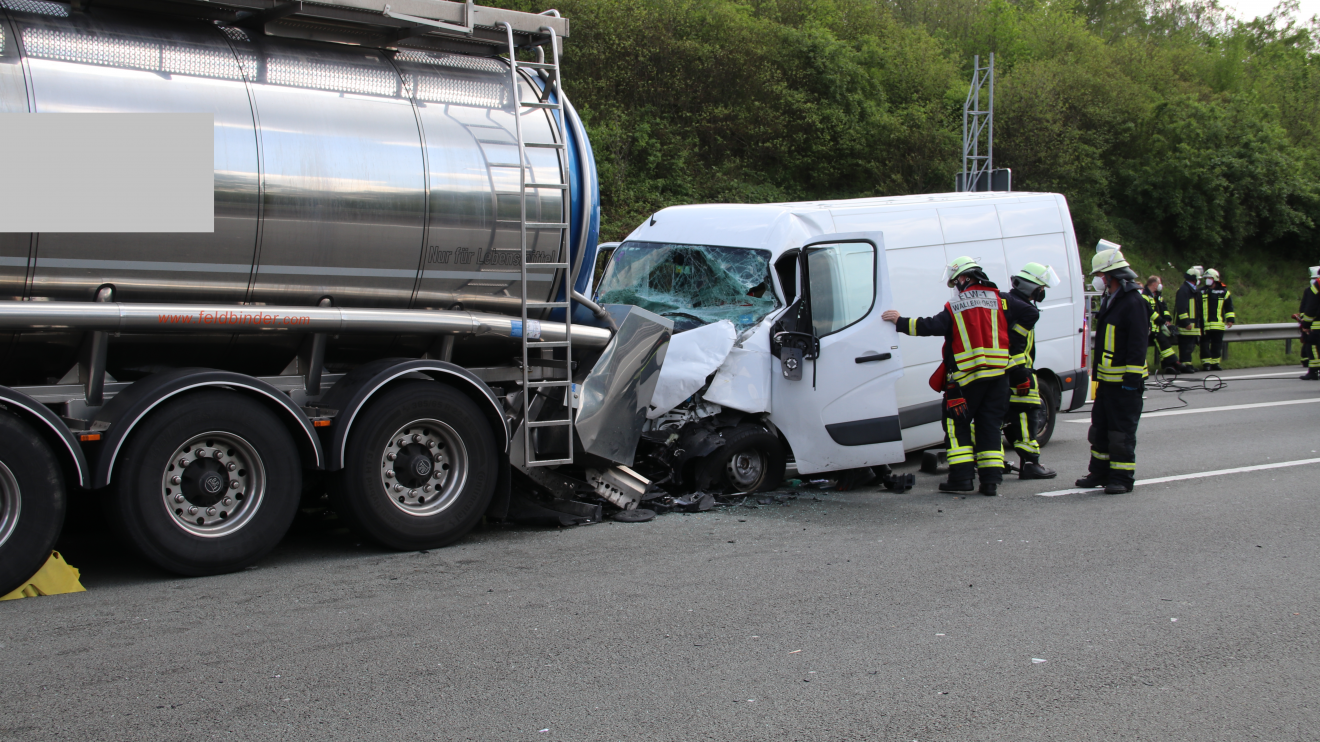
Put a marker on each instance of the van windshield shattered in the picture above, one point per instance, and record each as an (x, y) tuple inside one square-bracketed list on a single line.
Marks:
[(695, 282)]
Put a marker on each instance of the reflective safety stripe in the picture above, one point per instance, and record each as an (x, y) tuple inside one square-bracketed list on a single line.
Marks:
[(1123, 465), (912, 326), (1106, 370), (1099, 456), (985, 459), (1168, 352), (1027, 440), (956, 454), (963, 377), (1019, 329)]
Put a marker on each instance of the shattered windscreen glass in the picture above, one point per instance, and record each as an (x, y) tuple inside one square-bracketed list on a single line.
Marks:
[(697, 282)]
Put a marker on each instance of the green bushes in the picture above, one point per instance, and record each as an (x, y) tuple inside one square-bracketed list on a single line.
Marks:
[(1172, 129)]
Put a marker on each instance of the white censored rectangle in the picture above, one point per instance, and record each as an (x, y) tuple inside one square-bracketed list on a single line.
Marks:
[(107, 172)]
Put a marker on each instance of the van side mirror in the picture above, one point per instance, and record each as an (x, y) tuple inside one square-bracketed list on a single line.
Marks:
[(791, 337)]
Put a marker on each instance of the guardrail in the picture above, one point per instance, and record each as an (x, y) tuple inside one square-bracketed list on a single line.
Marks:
[(1286, 331)]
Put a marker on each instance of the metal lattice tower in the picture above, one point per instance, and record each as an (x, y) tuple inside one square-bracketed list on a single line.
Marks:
[(979, 122)]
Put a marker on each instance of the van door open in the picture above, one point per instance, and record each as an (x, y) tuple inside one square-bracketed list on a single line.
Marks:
[(833, 385)]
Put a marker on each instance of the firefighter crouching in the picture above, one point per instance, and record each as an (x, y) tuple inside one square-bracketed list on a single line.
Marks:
[(1216, 315), (1306, 316), (1161, 337), (975, 332), (1024, 405), (1121, 330), (1186, 306)]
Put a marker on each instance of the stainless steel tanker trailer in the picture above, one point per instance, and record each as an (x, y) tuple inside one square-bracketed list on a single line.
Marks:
[(391, 303)]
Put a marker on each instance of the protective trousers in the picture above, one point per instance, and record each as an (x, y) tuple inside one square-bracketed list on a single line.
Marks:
[(1311, 349), (974, 443), (1163, 343), (1023, 420), (1212, 346), (1113, 434), (1186, 345)]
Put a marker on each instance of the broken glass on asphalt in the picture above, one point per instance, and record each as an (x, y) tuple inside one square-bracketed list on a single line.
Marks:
[(692, 284)]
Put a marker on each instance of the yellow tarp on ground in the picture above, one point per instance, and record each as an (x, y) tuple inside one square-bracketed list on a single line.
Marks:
[(54, 577)]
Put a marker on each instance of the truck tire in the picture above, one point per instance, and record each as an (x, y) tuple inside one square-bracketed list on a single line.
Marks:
[(207, 484), (1049, 409), (420, 467), (751, 460), (32, 502)]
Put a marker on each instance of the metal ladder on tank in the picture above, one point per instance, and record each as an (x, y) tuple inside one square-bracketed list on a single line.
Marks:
[(529, 344)]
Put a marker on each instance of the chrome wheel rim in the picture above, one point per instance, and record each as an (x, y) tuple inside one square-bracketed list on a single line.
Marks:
[(746, 468), (11, 502), (213, 484), (423, 467)]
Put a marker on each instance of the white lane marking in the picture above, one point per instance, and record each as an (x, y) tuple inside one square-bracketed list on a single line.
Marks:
[(1196, 475), (1167, 413), (1258, 376)]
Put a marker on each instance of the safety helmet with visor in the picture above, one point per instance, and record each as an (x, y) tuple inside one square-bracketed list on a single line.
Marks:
[(1034, 278), (960, 266), (1109, 261), (1108, 257)]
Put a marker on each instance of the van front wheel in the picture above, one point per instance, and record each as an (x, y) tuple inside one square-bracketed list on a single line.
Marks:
[(751, 460)]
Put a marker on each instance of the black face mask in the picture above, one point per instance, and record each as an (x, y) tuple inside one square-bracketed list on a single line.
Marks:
[(1039, 295)]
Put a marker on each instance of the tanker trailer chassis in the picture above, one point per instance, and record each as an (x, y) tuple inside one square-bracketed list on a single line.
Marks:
[(201, 470), (442, 384)]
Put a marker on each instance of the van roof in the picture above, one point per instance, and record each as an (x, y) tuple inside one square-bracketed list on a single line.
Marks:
[(781, 226)]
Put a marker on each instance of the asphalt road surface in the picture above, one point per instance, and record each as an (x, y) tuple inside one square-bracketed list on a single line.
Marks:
[(1187, 610)]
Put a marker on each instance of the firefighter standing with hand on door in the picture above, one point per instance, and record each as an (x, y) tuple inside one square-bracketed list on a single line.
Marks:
[(1186, 316), (1161, 338), (1216, 315), (1024, 402), (1121, 329), (975, 332), (1306, 316)]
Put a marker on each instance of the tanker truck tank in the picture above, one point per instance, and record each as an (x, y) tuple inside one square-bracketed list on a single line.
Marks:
[(387, 311), (371, 177)]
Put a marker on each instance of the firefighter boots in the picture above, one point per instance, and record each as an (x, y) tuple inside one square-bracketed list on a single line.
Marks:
[(1033, 470), (1091, 480)]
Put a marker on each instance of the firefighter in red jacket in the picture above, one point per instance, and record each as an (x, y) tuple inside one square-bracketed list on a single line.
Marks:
[(1122, 329), (976, 356)]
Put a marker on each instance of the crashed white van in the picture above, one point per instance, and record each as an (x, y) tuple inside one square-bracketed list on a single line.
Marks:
[(779, 350)]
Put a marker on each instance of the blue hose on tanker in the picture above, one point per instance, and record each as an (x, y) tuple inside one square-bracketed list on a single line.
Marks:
[(582, 183)]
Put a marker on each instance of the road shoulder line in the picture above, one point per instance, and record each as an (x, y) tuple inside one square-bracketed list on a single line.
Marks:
[(1195, 475), (1168, 413)]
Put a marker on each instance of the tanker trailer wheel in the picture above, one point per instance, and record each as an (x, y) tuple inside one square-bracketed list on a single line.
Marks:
[(420, 467), (207, 484), (32, 502), (751, 460)]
